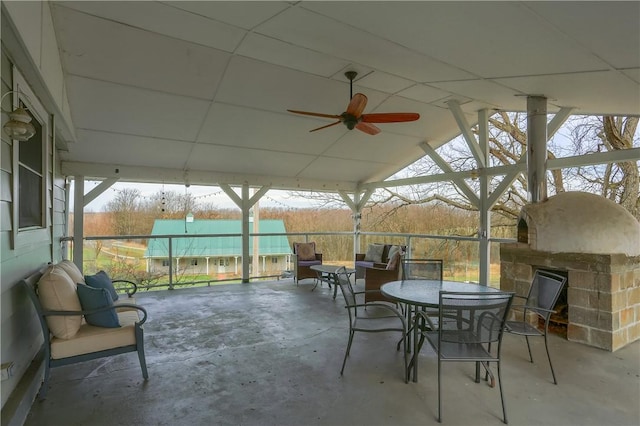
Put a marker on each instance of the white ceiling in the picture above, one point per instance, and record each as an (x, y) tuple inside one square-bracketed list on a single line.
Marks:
[(200, 90)]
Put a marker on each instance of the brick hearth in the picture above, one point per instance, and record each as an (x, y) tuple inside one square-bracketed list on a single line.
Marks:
[(603, 291)]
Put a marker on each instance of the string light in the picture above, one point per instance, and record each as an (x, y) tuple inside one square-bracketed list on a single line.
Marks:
[(164, 199), (202, 197)]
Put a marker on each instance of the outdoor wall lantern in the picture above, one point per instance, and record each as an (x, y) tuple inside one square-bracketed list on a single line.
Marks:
[(19, 126)]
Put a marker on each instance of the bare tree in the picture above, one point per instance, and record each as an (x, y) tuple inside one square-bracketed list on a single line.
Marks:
[(507, 144), (124, 208), (619, 182)]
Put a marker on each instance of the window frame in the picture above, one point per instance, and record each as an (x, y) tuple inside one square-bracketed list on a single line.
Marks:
[(38, 234)]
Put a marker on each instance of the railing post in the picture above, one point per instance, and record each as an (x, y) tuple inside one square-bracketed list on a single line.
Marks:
[(170, 263)]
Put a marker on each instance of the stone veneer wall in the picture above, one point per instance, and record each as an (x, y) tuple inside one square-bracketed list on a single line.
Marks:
[(603, 291)]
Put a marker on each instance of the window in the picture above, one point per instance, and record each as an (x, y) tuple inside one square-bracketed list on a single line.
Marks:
[(165, 262), (194, 262), (30, 178), (30, 170), (274, 260)]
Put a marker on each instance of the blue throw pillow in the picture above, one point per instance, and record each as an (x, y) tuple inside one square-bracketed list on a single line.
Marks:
[(94, 298), (101, 280)]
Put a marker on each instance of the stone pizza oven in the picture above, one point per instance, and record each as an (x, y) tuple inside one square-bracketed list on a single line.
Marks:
[(596, 244)]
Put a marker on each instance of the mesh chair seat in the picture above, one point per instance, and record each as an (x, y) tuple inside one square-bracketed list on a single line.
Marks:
[(376, 318), (464, 349), (523, 328)]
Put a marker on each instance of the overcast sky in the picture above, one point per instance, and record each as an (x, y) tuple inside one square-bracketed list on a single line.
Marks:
[(202, 194)]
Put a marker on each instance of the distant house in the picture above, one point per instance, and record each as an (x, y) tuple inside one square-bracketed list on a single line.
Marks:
[(216, 255)]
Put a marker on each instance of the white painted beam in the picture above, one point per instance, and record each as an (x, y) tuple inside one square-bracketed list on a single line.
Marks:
[(558, 120), (468, 135), (618, 156), (197, 177), (457, 180), (99, 190)]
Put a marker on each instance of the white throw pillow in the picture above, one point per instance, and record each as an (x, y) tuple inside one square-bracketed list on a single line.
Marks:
[(392, 252)]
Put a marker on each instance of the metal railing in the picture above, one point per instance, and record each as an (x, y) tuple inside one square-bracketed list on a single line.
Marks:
[(460, 255)]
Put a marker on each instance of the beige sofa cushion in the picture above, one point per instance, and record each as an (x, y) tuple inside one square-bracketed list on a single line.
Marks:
[(72, 270), (57, 292), (90, 339)]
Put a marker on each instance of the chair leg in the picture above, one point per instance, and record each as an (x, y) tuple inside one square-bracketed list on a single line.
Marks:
[(504, 408), (417, 346), (529, 348), (404, 354), (143, 362), (439, 391), (141, 357), (546, 346), (346, 354), (42, 394)]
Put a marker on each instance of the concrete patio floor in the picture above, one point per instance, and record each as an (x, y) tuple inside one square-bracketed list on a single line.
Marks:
[(269, 353)]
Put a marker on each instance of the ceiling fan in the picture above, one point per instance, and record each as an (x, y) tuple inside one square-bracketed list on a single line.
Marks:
[(353, 116)]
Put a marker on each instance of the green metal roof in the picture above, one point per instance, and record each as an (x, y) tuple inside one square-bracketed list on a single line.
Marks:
[(214, 246)]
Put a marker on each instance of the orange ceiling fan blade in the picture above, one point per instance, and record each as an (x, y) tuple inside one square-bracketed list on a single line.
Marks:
[(368, 128), (314, 114), (357, 104), (390, 117), (328, 125)]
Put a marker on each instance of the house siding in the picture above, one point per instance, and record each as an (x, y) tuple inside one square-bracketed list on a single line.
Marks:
[(21, 337)]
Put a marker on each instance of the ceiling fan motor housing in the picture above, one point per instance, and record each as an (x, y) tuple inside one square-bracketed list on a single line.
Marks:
[(349, 120)]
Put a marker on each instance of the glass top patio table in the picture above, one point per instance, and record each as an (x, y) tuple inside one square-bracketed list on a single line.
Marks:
[(427, 292), (326, 273)]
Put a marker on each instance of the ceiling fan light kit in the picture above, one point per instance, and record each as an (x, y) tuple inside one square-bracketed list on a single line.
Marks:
[(353, 116)]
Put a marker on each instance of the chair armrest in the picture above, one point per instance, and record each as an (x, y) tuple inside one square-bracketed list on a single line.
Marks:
[(95, 311), (538, 311), (360, 256), (130, 287), (319, 256), (381, 305), (373, 271)]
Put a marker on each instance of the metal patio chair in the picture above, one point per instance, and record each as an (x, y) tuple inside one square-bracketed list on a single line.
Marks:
[(369, 317), (468, 325), (421, 269), (543, 294)]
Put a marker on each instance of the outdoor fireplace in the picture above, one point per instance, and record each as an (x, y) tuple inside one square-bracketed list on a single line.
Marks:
[(597, 244)]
